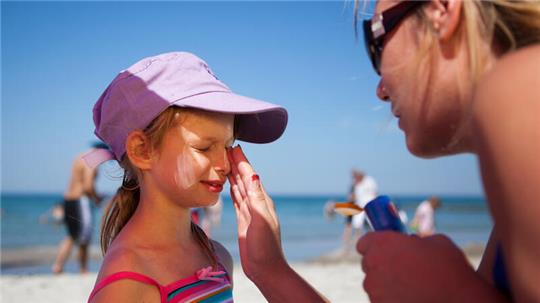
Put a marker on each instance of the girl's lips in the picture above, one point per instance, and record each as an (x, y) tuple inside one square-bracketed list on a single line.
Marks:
[(212, 186)]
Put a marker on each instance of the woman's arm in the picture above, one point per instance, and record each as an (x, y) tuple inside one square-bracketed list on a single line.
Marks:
[(485, 269), (259, 238), (506, 129)]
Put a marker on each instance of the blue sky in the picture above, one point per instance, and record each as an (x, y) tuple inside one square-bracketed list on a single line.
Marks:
[(57, 58)]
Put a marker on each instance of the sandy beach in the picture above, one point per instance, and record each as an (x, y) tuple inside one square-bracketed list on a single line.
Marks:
[(338, 278)]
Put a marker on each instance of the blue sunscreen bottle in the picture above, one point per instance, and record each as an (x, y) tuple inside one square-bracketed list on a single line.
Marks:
[(383, 215)]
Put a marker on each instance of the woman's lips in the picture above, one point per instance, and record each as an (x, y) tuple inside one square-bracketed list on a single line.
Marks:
[(213, 186), (397, 114)]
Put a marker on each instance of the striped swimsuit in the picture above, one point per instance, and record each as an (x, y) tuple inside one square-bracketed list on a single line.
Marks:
[(206, 286)]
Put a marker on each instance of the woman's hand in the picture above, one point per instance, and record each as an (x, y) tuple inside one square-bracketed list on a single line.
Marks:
[(259, 238), (401, 268), (258, 226)]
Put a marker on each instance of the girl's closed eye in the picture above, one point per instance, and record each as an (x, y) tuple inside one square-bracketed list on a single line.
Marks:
[(202, 148), (205, 148)]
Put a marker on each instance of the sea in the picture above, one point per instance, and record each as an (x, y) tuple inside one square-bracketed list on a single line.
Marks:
[(306, 232)]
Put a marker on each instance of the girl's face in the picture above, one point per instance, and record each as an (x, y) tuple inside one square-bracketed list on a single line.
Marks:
[(192, 163), (424, 91)]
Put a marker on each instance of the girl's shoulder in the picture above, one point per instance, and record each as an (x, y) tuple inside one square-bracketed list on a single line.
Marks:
[(121, 258), (224, 257), (124, 260)]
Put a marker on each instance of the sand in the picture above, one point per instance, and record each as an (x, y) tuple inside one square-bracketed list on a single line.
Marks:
[(339, 282), (339, 279)]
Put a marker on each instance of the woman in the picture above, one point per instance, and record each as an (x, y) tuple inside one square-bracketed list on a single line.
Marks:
[(469, 83)]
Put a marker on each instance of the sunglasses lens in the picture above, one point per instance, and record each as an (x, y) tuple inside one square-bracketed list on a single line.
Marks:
[(371, 48), (376, 58)]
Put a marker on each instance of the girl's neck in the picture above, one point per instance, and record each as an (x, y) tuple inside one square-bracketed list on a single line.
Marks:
[(160, 221)]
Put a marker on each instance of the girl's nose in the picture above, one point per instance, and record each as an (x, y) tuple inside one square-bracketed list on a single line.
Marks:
[(222, 164), (381, 92)]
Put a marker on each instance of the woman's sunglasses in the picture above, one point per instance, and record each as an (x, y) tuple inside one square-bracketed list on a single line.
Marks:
[(380, 25)]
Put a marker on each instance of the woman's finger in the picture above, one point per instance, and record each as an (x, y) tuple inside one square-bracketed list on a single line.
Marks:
[(244, 168), (232, 162), (242, 212), (256, 198), (234, 177), (269, 203), (237, 197), (253, 188), (241, 186)]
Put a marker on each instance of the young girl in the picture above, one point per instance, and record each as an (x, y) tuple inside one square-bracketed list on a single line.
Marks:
[(169, 122)]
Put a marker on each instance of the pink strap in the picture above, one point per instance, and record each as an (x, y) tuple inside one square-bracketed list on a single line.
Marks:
[(97, 156), (209, 275), (131, 276)]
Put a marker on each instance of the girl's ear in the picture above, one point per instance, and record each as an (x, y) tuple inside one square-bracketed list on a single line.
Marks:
[(445, 16), (139, 150)]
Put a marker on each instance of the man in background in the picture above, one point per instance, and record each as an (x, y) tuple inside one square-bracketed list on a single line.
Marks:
[(78, 212)]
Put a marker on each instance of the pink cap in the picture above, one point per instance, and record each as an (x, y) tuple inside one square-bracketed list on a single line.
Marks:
[(139, 94)]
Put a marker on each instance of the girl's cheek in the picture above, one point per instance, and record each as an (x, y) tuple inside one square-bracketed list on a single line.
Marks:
[(188, 163)]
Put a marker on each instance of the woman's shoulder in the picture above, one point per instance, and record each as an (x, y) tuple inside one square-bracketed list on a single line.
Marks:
[(515, 75), (527, 54), (510, 90), (224, 257)]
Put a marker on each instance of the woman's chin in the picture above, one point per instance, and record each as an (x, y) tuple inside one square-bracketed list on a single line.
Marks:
[(424, 148)]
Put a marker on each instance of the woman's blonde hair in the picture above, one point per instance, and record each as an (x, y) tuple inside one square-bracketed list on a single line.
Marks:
[(505, 24), (508, 25), (126, 199)]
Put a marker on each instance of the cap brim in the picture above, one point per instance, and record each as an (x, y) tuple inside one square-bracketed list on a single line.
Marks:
[(258, 121)]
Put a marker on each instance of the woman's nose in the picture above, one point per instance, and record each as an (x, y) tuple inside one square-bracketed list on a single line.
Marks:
[(381, 92)]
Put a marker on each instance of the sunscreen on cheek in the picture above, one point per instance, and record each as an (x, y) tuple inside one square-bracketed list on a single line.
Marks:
[(188, 163), (185, 176)]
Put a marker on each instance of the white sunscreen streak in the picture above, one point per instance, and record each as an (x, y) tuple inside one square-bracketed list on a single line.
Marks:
[(186, 162)]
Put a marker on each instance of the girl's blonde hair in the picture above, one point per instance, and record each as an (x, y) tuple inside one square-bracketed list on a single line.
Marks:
[(126, 199)]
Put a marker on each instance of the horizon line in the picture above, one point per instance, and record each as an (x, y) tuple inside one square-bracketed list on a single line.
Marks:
[(277, 194)]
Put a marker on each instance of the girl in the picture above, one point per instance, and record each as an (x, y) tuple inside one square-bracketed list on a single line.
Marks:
[(169, 121), (469, 83)]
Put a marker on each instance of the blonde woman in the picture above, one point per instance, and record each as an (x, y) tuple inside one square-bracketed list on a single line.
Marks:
[(460, 76)]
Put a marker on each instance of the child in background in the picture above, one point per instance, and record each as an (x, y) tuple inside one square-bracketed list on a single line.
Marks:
[(169, 122), (423, 223)]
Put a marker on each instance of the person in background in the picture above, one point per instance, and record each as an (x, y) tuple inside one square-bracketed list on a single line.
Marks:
[(54, 215), (212, 217), (77, 211), (196, 215), (423, 223), (364, 190)]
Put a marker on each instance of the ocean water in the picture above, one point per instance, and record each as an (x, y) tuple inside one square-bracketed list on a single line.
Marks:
[(306, 233)]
